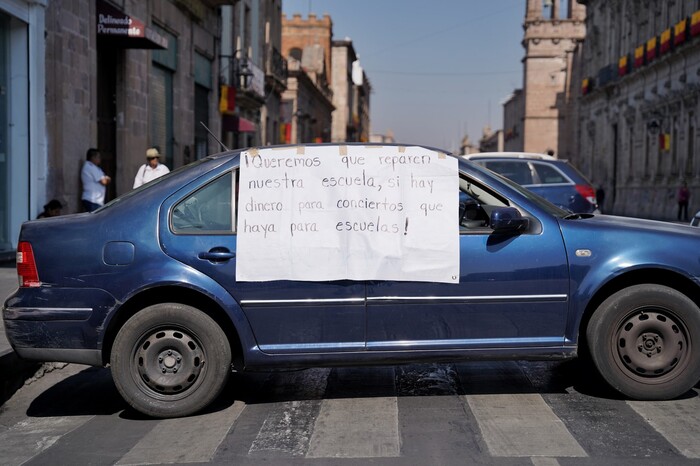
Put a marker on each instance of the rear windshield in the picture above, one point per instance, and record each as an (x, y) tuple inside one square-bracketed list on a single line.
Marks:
[(150, 184)]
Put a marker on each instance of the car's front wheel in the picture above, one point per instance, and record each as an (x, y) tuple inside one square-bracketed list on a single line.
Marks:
[(170, 360), (645, 342)]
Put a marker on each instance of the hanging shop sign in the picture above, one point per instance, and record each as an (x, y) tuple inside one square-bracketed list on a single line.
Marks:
[(118, 29)]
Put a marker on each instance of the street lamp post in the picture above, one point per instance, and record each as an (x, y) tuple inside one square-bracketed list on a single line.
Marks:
[(237, 71), (235, 75)]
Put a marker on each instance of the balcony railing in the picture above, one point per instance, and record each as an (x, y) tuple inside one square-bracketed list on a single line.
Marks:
[(276, 65)]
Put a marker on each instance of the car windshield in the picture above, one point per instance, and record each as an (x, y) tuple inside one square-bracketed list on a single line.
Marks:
[(531, 196)]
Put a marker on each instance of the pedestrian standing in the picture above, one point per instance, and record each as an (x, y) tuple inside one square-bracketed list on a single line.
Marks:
[(94, 181), (150, 170), (683, 198)]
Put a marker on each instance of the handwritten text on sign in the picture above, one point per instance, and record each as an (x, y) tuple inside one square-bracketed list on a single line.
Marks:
[(348, 212)]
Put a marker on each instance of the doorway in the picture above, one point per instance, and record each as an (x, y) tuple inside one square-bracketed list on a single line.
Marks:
[(107, 58)]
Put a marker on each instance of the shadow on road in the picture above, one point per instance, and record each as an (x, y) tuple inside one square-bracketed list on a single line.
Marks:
[(92, 391)]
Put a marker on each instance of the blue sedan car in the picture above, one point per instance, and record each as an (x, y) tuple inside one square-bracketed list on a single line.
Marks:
[(175, 283), (554, 179)]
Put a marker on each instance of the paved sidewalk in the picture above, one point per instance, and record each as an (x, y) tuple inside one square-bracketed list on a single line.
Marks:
[(13, 371)]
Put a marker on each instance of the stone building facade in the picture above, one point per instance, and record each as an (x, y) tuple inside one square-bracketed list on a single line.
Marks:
[(332, 66), (310, 108), (309, 41), (540, 117), (491, 141), (513, 122), (363, 91), (550, 38), (346, 119), (123, 76), (308, 100), (638, 104), (24, 170), (253, 71), (123, 93)]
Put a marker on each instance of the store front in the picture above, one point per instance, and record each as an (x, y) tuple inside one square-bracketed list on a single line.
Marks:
[(4, 161), (117, 32), (22, 118)]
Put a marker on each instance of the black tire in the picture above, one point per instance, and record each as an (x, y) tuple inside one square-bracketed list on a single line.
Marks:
[(645, 342), (170, 360)]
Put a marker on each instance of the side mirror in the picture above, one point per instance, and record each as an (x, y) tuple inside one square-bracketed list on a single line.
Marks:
[(508, 219)]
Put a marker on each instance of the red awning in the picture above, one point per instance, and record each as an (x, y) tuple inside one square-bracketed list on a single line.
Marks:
[(246, 126), (237, 124)]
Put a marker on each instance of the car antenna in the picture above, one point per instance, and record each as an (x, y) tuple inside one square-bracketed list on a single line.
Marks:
[(215, 138)]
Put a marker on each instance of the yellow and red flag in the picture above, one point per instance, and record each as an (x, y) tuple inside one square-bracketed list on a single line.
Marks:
[(665, 142), (639, 56), (227, 101), (695, 24), (585, 87), (679, 32), (665, 41), (622, 66), (651, 49)]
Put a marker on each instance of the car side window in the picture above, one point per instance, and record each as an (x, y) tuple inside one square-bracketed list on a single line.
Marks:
[(210, 209), (475, 205), (549, 175), (514, 170)]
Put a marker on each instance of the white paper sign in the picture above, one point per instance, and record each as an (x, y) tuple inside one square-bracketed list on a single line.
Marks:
[(348, 212)]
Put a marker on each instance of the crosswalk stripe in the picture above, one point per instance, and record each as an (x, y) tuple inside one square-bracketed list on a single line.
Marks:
[(677, 420), (543, 461), (193, 439), (316, 425), (356, 428), (27, 439), (287, 429), (522, 425)]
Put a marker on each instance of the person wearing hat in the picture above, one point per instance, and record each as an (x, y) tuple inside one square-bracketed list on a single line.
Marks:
[(150, 170)]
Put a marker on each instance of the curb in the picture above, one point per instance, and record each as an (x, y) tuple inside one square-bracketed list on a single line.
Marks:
[(15, 372)]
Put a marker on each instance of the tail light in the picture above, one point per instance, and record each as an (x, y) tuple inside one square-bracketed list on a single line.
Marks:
[(587, 192), (26, 267)]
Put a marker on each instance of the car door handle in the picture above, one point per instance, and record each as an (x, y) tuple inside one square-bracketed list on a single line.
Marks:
[(217, 255)]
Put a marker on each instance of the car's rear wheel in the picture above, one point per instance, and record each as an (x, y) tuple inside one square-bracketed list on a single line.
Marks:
[(644, 340), (170, 360)]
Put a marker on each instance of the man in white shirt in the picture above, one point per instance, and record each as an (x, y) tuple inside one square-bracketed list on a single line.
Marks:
[(151, 170), (94, 181)]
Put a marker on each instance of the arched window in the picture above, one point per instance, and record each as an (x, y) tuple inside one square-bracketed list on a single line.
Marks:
[(295, 53)]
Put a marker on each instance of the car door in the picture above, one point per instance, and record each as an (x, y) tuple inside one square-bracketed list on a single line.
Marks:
[(198, 228), (554, 186), (512, 291)]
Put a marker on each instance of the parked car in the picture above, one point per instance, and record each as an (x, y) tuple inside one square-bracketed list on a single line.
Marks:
[(556, 180), (174, 283)]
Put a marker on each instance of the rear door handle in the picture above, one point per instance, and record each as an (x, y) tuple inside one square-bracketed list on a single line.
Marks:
[(217, 255)]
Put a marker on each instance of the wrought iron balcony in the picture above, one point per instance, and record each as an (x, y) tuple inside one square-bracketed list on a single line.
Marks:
[(275, 65)]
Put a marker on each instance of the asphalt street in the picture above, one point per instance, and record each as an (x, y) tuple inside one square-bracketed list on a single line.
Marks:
[(497, 413), (494, 413)]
